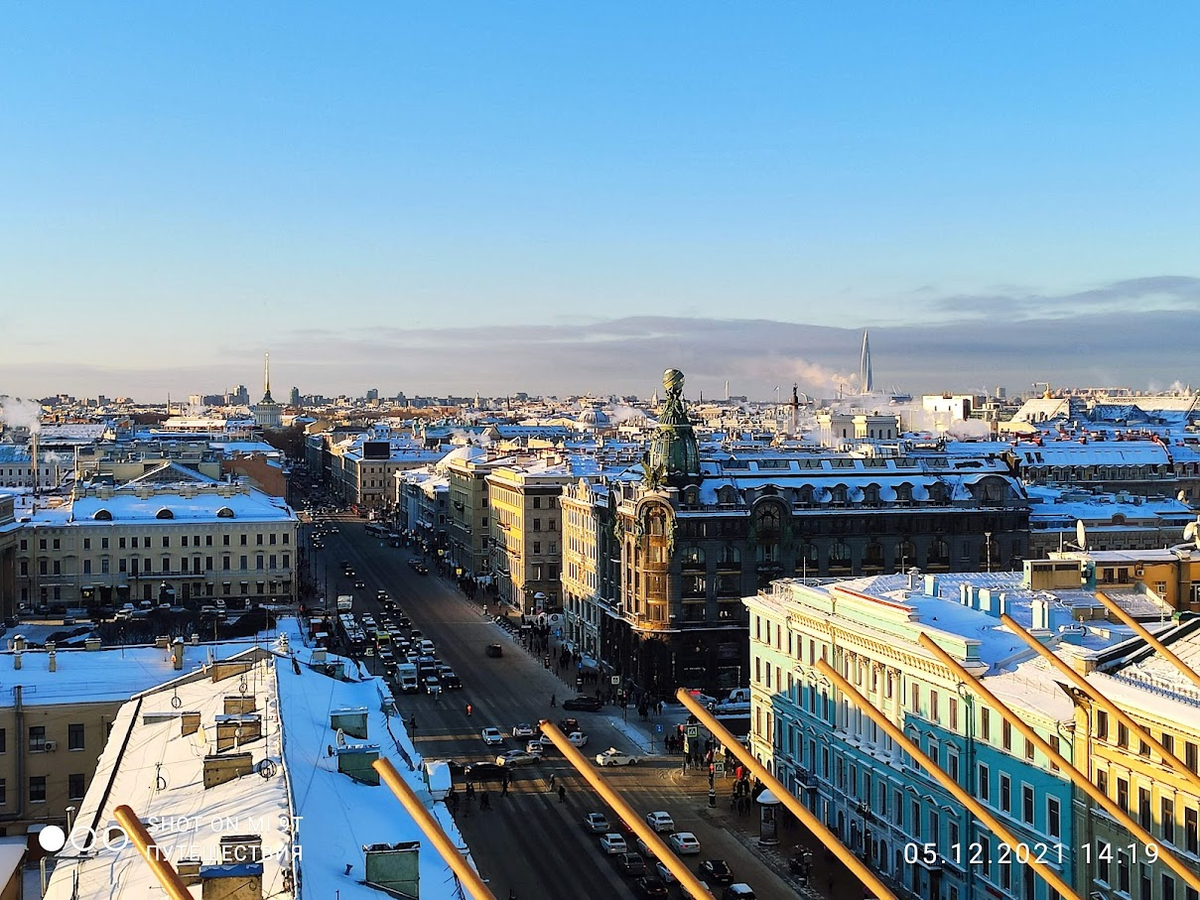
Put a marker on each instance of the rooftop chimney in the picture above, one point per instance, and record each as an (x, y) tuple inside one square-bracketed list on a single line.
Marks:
[(231, 881), (177, 655)]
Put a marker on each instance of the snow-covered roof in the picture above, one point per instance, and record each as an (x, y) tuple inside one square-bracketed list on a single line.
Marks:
[(1093, 453), (192, 503), (313, 820)]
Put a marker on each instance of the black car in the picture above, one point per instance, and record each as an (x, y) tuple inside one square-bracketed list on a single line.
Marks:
[(495, 650), (583, 702), (651, 886), (717, 871), (631, 863), (485, 771)]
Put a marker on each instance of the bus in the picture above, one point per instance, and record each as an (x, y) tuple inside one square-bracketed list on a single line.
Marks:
[(377, 529)]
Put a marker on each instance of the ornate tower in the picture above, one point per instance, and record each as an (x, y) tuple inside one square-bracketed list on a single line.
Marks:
[(674, 456)]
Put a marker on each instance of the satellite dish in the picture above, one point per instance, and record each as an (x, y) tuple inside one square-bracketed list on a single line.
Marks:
[(1080, 534), (1181, 496)]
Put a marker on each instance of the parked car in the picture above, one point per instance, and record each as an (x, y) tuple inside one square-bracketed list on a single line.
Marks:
[(524, 729), (495, 651), (651, 886), (660, 821), (492, 736), (716, 871), (582, 702), (596, 823), (631, 863), (684, 843), (614, 757), (613, 843), (515, 758)]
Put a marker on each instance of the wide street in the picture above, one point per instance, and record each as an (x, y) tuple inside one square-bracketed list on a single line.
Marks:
[(528, 841)]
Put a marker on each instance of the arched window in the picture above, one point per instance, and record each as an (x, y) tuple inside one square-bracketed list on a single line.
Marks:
[(693, 557), (164, 513), (224, 513), (839, 555), (102, 515), (874, 556), (730, 555)]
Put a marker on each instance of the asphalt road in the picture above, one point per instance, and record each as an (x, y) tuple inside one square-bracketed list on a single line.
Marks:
[(528, 841)]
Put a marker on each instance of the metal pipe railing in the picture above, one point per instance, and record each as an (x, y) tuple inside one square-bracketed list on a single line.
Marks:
[(154, 857), (628, 814), (1080, 780), (429, 825), (1081, 684), (951, 786), (819, 829)]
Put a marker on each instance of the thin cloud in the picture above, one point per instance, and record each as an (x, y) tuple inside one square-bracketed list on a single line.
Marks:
[(1159, 292)]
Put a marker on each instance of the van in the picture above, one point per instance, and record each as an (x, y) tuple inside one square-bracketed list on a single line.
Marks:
[(438, 778), (427, 648)]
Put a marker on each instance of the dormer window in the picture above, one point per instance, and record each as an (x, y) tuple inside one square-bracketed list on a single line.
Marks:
[(224, 513), (164, 513), (102, 515)]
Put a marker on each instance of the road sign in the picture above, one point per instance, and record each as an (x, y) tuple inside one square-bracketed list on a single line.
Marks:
[(691, 731), (658, 728), (616, 679), (719, 768)]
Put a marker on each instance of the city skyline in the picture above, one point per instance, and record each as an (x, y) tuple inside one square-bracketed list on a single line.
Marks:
[(482, 200)]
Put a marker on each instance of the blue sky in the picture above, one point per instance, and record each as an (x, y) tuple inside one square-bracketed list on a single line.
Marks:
[(186, 185)]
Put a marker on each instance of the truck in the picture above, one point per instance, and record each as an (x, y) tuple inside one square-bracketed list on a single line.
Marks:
[(406, 677), (345, 603), (438, 778)]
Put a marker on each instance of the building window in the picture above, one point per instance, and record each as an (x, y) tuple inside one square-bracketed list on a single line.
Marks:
[(537, 524), (37, 789), (1005, 793), (1053, 817), (75, 787), (75, 736), (37, 738), (1027, 804), (3, 792), (985, 783), (1167, 819), (985, 724), (3, 740)]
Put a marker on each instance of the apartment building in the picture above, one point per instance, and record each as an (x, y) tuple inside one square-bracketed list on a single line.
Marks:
[(148, 541)]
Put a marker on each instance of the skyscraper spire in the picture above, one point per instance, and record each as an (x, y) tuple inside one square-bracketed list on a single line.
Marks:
[(267, 378), (865, 380)]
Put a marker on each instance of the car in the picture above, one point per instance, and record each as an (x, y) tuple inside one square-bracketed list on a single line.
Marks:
[(661, 870), (422, 570), (660, 821), (450, 681), (566, 726), (577, 739), (537, 747), (631, 863), (514, 758), (613, 843), (684, 843), (432, 685), (596, 823), (524, 729), (360, 583), (492, 736), (582, 702), (614, 757), (716, 871), (651, 886), (484, 771), (494, 650), (739, 891)]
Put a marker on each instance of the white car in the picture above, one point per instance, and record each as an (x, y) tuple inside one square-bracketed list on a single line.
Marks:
[(523, 730), (612, 843), (577, 739), (684, 843), (596, 823), (660, 821), (492, 736), (663, 872), (614, 757), (516, 758)]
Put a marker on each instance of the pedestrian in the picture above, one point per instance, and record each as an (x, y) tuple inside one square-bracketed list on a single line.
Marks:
[(552, 780), (562, 794), (470, 790), (553, 700), (468, 709), (504, 788), (485, 802), (412, 722), (512, 894)]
